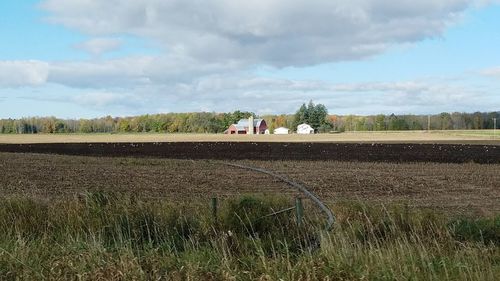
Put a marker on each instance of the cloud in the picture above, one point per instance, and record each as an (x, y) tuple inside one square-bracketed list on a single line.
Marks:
[(263, 95), (492, 72), (101, 74), (273, 32), (209, 48), (281, 95), (134, 71), (99, 46), (23, 73), (105, 99), (124, 72), (179, 84), (267, 95)]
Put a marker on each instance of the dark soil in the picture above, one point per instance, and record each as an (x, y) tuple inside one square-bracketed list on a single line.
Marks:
[(455, 188), (378, 152)]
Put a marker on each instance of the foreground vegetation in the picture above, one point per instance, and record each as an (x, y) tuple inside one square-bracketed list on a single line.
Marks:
[(119, 237)]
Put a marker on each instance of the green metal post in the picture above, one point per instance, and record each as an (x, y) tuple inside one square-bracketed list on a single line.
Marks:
[(214, 208)]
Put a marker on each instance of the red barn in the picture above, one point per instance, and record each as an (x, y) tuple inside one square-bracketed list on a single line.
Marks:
[(242, 127)]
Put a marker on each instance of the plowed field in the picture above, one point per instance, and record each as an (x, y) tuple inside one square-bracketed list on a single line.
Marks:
[(379, 152), (458, 188)]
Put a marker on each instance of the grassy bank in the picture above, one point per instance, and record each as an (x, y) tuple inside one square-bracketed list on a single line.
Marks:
[(119, 237)]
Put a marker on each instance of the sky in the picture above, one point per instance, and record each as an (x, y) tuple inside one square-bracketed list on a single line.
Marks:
[(92, 58)]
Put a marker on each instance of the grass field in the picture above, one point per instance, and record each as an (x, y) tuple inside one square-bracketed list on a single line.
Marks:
[(473, 137), (98, 218), (103, 236), (479, 133)]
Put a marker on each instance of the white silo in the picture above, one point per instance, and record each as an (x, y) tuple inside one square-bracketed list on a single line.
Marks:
[(250, 125)]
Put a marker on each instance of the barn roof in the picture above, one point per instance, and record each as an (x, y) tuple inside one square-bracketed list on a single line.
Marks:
[(244, 122), (304, 125), (238, 127)]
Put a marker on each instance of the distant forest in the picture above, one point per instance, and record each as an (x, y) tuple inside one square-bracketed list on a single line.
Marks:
[(206, 122)]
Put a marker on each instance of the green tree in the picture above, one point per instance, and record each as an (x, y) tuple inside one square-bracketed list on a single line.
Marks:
[(124, 125), (396, 123), (380, 123), (446, 121), (314, 115), (318, 116), (85, 126), (300, 116), (477, 121)]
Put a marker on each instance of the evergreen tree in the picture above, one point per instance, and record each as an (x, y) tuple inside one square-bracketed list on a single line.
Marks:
[(300, 116), (314, 115)]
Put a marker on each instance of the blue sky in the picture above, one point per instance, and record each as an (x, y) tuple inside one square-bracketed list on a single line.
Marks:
[(73, 59)]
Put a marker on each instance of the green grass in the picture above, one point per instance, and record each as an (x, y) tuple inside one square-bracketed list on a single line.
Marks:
[(119, 237)]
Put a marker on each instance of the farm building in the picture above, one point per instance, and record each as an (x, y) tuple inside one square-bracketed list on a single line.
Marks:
[(305, 129), (281, 131), (242, 127)]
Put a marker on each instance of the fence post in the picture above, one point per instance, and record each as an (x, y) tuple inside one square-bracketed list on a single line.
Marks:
[(213, 204), (299, 210)]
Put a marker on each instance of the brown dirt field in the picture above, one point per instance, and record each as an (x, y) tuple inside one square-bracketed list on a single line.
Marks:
[(376, 152), (457, 188)]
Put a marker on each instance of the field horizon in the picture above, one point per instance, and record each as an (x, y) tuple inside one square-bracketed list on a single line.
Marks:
[(480, 137)]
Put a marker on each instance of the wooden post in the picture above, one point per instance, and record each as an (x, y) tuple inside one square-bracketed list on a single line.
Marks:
[(213, 204), (299, 210), (494, 128)]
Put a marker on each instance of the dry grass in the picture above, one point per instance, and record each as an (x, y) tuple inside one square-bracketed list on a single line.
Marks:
[(118, 237), (472, 137), (149, 219)]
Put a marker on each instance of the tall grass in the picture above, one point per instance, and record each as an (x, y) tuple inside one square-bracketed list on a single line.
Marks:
[(119, 237)]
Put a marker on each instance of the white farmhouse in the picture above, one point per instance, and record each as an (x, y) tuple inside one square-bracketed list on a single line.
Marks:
[(281, 131), (305, 129)]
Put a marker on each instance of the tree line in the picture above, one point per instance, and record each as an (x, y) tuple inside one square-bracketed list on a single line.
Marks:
[(196, 122), (393, 122), (208, 122)]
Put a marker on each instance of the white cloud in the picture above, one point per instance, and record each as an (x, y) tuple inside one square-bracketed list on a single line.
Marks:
[(492, 72), (274, 32), (99, 46), (210, 47), (134, 71), (125, 72), (105, 99), (23, 73), (152, 83), (266, 95), (262, 95)]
